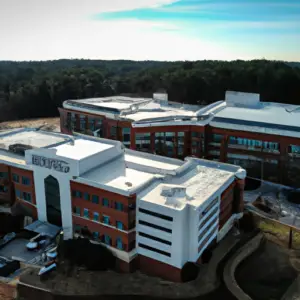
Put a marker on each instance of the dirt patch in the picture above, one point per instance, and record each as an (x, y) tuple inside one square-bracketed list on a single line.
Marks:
[(267, 273), (49, 124)]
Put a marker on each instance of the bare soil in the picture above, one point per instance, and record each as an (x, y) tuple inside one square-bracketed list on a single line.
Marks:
[(269, 272), (50, 124)]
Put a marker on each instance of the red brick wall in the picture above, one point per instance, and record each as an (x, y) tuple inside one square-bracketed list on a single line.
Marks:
[(6, 197), (156, 268), (24, 188), (126, 216)]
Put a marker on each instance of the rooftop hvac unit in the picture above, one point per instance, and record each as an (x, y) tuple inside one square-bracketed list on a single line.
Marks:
[(19, 148)]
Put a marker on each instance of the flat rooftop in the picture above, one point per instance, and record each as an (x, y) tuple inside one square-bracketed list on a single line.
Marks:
[(198, 183), (30, 137), (81, 148), (268, 117)]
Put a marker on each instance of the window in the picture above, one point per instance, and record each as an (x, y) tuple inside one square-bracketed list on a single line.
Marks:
[(119, 243), (77, 194), (76, 210), (105, 202), (119, 206), (154, 214), (96, 235), (96, 217), (91, 124), (25, 180), (95, 199), (155, 226), (155, 250), (120, 225), (126, 136), (16, 178), (18, 194), (3, 189), (106, 220), (3, 175), (107, 239), (217, 138), (142, 142), (86, 213), (113, 131), (82, 122), (154, 238), (27, 196), (86, 196)]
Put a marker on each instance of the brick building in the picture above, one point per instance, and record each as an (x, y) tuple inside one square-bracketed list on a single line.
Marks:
[(154, 213), (264, 138)]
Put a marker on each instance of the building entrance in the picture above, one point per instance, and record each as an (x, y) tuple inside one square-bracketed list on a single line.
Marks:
[(52, 194)]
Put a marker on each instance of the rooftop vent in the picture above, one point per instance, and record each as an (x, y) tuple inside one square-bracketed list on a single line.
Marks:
[(176, 191), (129, 184), (19, 148)]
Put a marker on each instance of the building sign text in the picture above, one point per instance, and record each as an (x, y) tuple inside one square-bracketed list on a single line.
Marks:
[(50, 163)]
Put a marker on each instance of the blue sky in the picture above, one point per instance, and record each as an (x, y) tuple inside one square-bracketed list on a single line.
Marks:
[(152, 29)]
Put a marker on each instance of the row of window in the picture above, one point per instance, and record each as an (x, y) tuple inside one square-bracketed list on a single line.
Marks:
[(24, 196), (25, 180), (105, 238), (154, 250), (95, 199), (147, 224), (155, 214), (211, 222), (205, 241), (96, 217), (154, 238)]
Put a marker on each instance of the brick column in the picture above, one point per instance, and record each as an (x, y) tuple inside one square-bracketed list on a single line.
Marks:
[(238, 201), (132, 139)]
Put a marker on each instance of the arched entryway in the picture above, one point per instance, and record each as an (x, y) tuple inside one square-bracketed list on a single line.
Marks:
[(52, 194)]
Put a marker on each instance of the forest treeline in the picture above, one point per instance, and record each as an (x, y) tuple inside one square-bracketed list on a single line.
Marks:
[(36, 89)]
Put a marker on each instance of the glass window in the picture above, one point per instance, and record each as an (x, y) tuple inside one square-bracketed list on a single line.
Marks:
[(78, 194), (25, 180), (86, 213), (27, 196), (82, 122), (105, 202), (126, 136), (142, 142), (3, 175), (113, 131), (76, 210), (95, 199), (16, 178), (18, 194), (91, 124), (96, 235), (3, 189), (120, 225), (106, 220), (119, 206), (119, 243), (86, 196), (96, 216), (107, 239), (217, 138)]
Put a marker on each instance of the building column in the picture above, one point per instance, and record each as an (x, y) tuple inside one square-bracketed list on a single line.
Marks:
[(132, 138), (283, 159), (238, 199), (152, 142)]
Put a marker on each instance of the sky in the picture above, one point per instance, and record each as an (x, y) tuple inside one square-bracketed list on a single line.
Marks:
[(150, 29)]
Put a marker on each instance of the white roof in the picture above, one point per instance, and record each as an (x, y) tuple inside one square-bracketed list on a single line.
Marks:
[(30, 137), (115, 174), (81, 148), (200, 182), (268, 118)]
